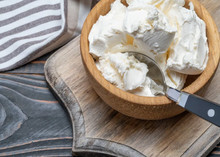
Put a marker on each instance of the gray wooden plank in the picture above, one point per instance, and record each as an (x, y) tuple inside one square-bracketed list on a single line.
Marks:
[(32, 121)]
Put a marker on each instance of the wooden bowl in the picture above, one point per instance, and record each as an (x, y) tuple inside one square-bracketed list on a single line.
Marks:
[(148, 108)]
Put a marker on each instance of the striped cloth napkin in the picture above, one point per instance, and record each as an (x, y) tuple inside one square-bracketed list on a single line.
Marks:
[(32, 28)]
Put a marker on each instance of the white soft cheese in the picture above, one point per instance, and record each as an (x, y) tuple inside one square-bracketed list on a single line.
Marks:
[(109, 72), (151, 2), (160, 4), (189, 52), (127, 73), (152, 33), (148, 15), (163, 29), (149, 26), (131, 70), (108, 31)]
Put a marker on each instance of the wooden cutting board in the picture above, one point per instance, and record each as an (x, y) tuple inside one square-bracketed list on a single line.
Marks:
[(99, 129)]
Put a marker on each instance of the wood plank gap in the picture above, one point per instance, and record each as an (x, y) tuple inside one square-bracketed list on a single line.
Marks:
[(35, 150), (35, 141)]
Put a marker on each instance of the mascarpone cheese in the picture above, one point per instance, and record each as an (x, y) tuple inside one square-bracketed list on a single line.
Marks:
[(164, 30), (127, 73), (189, 52), (108, 31), (149, 26)]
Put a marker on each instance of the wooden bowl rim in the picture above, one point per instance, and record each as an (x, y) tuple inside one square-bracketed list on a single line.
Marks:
[(142, 100)]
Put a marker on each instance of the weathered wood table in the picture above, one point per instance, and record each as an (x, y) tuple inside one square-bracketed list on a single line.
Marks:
[(32, 121)]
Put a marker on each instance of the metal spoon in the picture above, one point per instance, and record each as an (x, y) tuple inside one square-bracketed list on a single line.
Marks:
[(205, 109)]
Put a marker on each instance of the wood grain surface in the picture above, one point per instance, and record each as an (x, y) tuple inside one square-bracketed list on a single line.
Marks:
[(148, 108), (43, 141), (98, 128), (32, 122)]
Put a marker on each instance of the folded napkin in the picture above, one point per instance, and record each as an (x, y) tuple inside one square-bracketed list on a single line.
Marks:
[(31, 28)]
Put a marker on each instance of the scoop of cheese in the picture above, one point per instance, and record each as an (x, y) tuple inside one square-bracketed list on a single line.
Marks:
[(189, 52), (108, 31), (149, 26), (127, 73)]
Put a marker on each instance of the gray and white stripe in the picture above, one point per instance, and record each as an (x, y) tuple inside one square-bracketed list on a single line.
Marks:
[(26, 26), (31, 28)]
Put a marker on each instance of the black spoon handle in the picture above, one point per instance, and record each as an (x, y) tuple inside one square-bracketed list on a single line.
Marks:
[(204, 108)]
